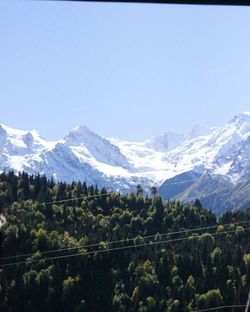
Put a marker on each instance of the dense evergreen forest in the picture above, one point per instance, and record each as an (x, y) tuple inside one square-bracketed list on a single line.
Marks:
[(191, 270)]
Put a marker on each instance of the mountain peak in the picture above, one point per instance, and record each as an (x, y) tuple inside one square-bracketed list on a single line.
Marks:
[(246, 113), (198, 130), (2, 129), (101, 149), (224, 150), (166, 142), (18, 133), (81, 128), (245, 116), (80, 135), (241, 123)]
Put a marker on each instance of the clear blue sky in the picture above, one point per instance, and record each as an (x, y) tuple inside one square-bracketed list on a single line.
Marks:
[(124, 70)]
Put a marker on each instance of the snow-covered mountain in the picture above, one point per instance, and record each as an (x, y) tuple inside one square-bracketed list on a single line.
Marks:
[(85, 143), (224, 152)]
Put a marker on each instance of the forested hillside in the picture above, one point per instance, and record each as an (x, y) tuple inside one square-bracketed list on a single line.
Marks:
[(114, 252)]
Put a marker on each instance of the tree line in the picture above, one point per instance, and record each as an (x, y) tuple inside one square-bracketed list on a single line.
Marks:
[(195, 270)]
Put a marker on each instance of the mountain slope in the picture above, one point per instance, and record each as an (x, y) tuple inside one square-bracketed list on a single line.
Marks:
[(89, 144), (223, 152)]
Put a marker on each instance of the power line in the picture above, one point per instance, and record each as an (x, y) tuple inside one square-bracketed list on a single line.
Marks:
[(180, 182), (113, 249), (98, 195), (101, 195), (75, 198), (106, 194), (221, 307), (125, 240), (69, 199), (248, 303)]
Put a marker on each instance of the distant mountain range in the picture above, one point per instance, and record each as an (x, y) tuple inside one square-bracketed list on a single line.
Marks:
[(210, 164)]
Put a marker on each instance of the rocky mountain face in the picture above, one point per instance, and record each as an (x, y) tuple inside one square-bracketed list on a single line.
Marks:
[(210, 164), (215, 192), (221, 168)]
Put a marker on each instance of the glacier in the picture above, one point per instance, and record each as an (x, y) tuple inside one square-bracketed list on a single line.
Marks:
[(121, 165)]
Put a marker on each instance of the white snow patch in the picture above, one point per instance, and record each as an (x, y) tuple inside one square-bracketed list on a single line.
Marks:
[(153, 160)]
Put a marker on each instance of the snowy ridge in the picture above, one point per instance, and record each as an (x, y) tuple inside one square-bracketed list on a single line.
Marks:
[(88, 144), (114, 163)]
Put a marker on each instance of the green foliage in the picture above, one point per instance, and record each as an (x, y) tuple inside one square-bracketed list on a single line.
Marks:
[(210, 299), (200, 272)]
